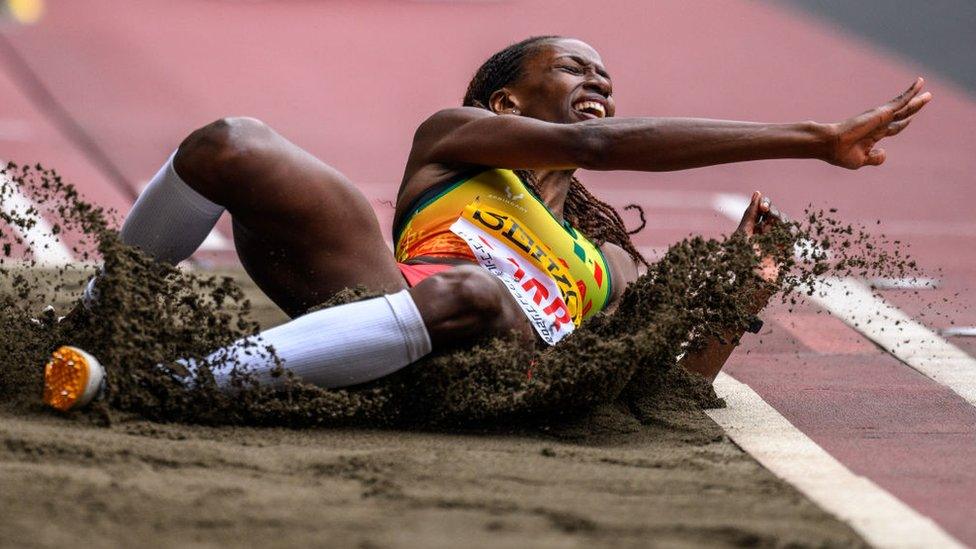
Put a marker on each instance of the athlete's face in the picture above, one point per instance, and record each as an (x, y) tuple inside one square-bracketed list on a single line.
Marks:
[(564, 81)]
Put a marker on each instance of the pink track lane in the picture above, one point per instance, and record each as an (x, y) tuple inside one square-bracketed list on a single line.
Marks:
[(38, 141), (910, 435), (350, 81)]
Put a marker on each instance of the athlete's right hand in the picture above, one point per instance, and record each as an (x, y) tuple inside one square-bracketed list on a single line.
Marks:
[(760, 217)]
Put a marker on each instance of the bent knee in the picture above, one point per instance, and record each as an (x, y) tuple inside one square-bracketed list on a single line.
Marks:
[(467, 302), (224, 148), (473, 289)]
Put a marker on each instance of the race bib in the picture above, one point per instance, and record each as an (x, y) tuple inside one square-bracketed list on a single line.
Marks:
[(540, 284)]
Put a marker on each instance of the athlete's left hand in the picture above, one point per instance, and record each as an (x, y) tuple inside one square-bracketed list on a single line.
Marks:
[(851, 142)]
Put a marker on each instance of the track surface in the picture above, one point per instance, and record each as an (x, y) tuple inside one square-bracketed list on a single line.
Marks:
[(350, 81)]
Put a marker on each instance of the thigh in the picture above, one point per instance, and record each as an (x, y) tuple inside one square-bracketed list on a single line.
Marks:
[(303, 231)]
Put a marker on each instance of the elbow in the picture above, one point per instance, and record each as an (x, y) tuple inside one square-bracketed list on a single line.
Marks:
[(591, 147)]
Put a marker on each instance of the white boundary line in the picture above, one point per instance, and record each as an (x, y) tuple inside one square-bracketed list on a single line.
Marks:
[(730, 205), (880, 518), (760, 430), (48, 250), (906, 339), (879, 321)]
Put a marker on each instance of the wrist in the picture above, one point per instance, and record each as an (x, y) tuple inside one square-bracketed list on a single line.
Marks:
[(820, 138)]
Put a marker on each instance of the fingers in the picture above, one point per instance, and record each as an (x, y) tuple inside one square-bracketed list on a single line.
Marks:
[(754, 208), (760, 215), (751, 215), (886, 113), (903, 106), (895, 127), (772, 215), (900, 101), (913, 106)]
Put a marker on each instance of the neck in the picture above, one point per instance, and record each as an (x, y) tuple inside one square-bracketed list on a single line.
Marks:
[(554, 186)]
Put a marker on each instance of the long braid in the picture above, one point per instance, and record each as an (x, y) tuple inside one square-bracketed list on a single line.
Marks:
[(596, 219)]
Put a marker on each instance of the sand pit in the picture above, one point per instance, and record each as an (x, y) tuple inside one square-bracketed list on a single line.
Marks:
[(674, 480), (601, 439), (603, 480), (679, 483)]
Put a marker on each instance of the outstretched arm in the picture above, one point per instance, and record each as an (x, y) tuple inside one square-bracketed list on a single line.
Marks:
[(477, 136)]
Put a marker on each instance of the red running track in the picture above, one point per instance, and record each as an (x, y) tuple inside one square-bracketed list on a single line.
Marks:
[(350, 80)]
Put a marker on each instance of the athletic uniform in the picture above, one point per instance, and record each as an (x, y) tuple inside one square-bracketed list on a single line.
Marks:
[(490, 217)]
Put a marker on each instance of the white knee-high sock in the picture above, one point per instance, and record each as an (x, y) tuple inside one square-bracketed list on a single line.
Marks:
[(335, 347), (169, 220)]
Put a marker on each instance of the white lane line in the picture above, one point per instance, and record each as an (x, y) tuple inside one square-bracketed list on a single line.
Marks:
[(880, 518), (48, 250), (884, 324), (896, 332), (730, 205), (959, 331)]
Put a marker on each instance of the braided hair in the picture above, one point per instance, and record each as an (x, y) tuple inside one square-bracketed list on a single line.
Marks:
[(599, 221)]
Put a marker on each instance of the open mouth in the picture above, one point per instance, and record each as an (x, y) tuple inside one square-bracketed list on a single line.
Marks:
[(594, 109)]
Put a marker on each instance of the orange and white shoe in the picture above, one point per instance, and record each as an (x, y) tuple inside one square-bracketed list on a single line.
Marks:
[(72, 378)]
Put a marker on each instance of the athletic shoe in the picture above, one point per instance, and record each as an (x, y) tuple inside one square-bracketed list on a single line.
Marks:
[(72, 378)]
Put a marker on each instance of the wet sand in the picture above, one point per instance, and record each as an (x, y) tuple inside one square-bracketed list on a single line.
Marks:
[(599, 481)]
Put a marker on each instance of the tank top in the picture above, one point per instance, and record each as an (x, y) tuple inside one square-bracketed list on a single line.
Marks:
[(464, 218)]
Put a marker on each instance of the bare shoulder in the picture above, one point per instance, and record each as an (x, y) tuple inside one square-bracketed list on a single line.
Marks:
[(421, 173), (446, 120), (433, 130)]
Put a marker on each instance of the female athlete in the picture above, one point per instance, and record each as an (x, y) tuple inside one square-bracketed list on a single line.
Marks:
[(493, 232)]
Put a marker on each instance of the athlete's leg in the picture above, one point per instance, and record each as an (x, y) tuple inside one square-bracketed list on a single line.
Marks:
[(362, 341), (333, 347), (343, 345), (302, 230), (169, 221)]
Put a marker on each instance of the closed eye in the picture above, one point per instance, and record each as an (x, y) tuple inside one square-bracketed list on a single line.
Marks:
[(571, 69)]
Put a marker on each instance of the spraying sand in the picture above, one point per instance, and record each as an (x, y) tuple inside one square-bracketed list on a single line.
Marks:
[(600, 438)]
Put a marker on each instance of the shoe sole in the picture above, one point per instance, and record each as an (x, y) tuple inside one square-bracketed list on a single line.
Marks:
[(72, 378)]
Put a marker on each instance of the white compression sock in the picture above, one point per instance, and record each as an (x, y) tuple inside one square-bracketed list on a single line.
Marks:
[(335, 347), (169, 220)]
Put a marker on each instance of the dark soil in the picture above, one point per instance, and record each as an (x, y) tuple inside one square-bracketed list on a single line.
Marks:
[(150, 314)]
